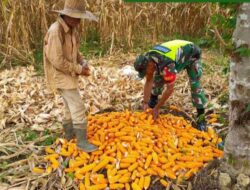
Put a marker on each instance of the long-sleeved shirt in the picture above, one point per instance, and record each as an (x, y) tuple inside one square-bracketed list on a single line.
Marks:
[(61, 56), (186, 55)]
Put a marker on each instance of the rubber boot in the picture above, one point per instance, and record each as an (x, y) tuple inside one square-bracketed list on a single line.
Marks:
[(201, 125), (80, 131), (68, 130)]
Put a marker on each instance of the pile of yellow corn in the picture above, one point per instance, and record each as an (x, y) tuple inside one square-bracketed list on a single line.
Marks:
[(213, 118), (132, 148)]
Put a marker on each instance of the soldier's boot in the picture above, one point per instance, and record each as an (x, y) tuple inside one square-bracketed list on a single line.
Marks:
[(153, 101), (201, 120)]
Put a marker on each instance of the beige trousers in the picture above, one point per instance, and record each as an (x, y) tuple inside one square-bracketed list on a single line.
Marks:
[(74, 109)]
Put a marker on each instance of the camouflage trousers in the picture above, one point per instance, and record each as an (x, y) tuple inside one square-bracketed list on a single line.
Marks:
[(194, 71)]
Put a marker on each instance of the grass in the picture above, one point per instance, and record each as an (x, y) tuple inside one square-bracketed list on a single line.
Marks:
[(217, 60), (3, 165), (224, 98), (245, 164), (27, 134), (31, 135), (38, 57), (49, 140), (70, 175), (91, 45), (231, 160)]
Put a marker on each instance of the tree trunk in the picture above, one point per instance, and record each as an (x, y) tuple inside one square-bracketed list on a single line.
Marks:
[(237, 144)]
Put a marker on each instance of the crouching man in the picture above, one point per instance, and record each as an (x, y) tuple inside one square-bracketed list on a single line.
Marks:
[(160, 66)]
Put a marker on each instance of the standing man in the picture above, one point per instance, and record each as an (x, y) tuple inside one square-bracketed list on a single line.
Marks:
[(160, 66), (63, 64)]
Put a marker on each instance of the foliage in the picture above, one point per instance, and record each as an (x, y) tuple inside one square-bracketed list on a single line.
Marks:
[(223, 24), (49, 140), (248, 108), (243, 51)]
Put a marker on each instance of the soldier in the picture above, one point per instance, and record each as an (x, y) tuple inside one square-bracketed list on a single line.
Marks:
[(160, 66), (63, 63)]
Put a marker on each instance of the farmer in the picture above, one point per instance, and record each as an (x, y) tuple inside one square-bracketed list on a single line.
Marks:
[(160, 66), (63, 64)]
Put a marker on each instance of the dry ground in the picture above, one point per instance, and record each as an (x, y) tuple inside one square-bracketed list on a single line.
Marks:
[(30, 115)]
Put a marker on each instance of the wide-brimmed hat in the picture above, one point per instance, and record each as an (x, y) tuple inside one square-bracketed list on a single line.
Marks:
[(76, 9)]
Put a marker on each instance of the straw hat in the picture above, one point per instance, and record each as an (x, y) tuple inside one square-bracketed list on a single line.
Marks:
[(76, 9)]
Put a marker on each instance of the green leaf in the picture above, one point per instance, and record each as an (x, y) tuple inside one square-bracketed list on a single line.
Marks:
[(248, 108), (46, 132), (3, 165), (226, 70), (214, 19), (65, 164), (222, 120), (48, 141), (204, 42), (71, 175), (210, 105), (231, 22), (31, 135), (243, 51)]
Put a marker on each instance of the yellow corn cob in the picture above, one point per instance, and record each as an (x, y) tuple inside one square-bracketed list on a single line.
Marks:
[(155, 158), (135, 186), (87, 168), (164, 182), (97, 187), (127, 186), (87, 180), (146, 182), (141, 182), (116, 186), (38, 170), (148, 161)]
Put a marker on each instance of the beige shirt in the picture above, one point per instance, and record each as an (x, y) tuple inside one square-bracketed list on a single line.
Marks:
[(61, 56)]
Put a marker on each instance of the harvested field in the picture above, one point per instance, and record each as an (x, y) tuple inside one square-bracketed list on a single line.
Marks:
[(30, 115)]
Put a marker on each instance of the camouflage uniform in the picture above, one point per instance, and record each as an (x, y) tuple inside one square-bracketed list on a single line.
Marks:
[(185, 55)]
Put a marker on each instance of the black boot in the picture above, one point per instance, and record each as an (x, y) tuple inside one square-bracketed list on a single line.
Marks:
[(81, 135), (153, 101), (201, 120), (68, 130)]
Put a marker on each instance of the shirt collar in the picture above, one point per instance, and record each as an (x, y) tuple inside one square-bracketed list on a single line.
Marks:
[(64, 25)]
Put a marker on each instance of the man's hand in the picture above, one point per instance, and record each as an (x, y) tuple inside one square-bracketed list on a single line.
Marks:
[(83, 62), (145, 106), (85, 71), (85, 67), (155, 113)]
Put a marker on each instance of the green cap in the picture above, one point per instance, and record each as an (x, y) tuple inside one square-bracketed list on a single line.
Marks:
[(140, 65)]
